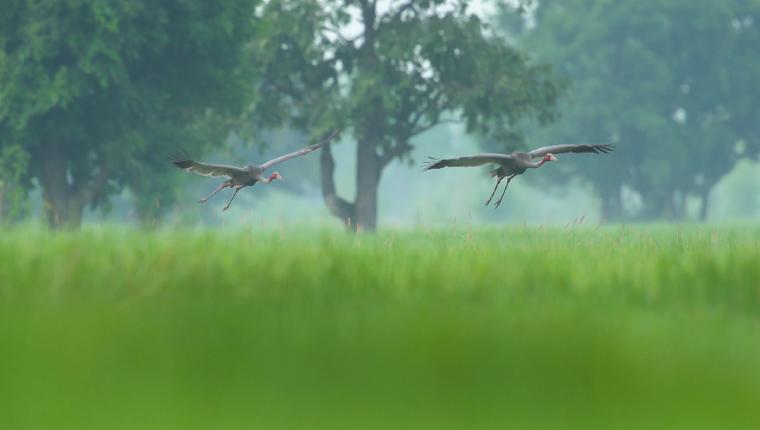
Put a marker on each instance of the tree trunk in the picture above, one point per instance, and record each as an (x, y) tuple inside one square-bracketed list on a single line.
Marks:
[(337, 206), (62, 212), (673, 208), (658, 204), (705, 204), (677, 207), (368, 169), (362, 214), (62, 208)]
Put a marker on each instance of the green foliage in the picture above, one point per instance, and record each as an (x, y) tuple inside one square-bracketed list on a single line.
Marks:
[(541, 328), (411, 64), (13, 175), (97, 92), (672, 82), (398, 73)]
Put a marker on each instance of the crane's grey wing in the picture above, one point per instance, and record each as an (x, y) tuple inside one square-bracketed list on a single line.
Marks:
[(470, 161), (559, 149), (300, 152), (207, 169)]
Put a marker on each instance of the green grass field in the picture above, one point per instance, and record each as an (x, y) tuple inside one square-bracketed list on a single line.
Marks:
[(583, 328)]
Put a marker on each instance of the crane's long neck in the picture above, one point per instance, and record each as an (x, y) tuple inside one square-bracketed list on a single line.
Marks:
[(266, 179)]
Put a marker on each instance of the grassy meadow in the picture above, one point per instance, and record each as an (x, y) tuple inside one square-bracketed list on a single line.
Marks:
[(528, 328)]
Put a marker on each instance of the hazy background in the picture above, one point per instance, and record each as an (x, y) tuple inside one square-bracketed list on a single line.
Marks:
[(409, 197), (671, 83)]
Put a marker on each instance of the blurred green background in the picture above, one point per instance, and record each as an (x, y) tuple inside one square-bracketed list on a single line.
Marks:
[(583, 327)]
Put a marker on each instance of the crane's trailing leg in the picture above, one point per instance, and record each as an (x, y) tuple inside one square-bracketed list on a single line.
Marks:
[(494, 190), (238, 188), (221, 187), (498, 202)]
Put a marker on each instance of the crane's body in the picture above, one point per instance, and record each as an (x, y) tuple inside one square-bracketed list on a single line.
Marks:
[(246, 176), (511, 165), (249, 176)]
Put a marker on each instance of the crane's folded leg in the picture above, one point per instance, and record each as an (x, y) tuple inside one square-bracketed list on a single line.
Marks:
[(494, 190), (233, 196), (221, 187), (498, 202)]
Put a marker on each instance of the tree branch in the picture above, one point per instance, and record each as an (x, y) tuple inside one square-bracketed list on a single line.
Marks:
[(336, 205), (427, 127), (397, 151), (286, 91), (391, 16), (336, 32), (427, 107), (410, 129)]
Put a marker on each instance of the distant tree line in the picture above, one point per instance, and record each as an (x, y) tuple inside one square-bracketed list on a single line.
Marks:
[(94, 95), (673, 83)]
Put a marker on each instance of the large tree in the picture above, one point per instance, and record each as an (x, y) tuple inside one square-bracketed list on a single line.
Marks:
[(673, 82), (387, 75), (98, 92)]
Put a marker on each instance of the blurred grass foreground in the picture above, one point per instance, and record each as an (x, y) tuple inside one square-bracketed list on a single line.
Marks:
[(609, 328)]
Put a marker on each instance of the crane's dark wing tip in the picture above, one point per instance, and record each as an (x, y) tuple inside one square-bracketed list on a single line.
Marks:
[(432, 163), (333, 134), (181, 159), (183, 164), (603, 149)]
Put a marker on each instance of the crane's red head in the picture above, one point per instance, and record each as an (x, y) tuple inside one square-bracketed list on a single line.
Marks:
[(549, 157), (275, 175)]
